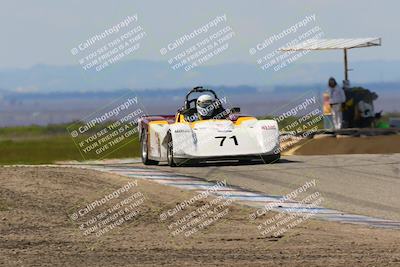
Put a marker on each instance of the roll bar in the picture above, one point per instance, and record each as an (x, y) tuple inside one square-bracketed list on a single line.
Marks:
[(198, 89)]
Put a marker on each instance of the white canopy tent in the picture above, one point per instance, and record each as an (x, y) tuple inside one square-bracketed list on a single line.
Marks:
[(329, 44)]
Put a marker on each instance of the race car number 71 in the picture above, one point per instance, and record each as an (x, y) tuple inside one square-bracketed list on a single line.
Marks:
[(224, 137)]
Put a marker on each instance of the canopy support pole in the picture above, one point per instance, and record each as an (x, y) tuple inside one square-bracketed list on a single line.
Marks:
[(346, 69)]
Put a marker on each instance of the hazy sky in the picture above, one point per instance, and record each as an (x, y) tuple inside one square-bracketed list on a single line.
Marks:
[(44, 31)]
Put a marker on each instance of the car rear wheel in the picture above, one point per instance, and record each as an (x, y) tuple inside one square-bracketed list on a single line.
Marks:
[(144, 150)]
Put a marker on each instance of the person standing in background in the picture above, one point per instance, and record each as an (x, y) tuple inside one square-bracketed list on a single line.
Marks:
[(327, 111), (337, 98)]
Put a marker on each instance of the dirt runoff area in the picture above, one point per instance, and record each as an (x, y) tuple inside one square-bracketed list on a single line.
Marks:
[(46, 215)]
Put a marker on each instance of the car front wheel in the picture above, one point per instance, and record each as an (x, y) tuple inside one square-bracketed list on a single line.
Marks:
[(170, 153)]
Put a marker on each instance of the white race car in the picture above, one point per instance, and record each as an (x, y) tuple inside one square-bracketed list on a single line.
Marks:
[(188, 138)]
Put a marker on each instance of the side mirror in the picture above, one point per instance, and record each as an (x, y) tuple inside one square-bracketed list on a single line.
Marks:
[(235, 110)]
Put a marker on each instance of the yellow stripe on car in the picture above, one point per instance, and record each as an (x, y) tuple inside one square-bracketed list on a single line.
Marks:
[(242, 119)]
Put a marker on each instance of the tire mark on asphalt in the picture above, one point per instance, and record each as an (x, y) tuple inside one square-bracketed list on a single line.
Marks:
[(334, 196), (324, 167), (359, 202)]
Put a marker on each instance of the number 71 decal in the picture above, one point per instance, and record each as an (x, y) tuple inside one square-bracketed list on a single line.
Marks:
[(224, 137)]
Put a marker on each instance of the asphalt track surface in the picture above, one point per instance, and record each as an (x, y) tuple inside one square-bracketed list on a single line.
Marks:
[(367, 184)]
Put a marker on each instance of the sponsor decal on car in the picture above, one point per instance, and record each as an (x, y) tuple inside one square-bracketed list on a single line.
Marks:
[(268, 127)]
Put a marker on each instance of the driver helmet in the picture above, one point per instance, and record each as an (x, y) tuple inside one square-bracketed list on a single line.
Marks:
[(204, 105)]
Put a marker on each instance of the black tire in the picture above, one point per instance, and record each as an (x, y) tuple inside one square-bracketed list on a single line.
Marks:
[(271, 158), (244, 161), (170, 152), (144, 150)]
